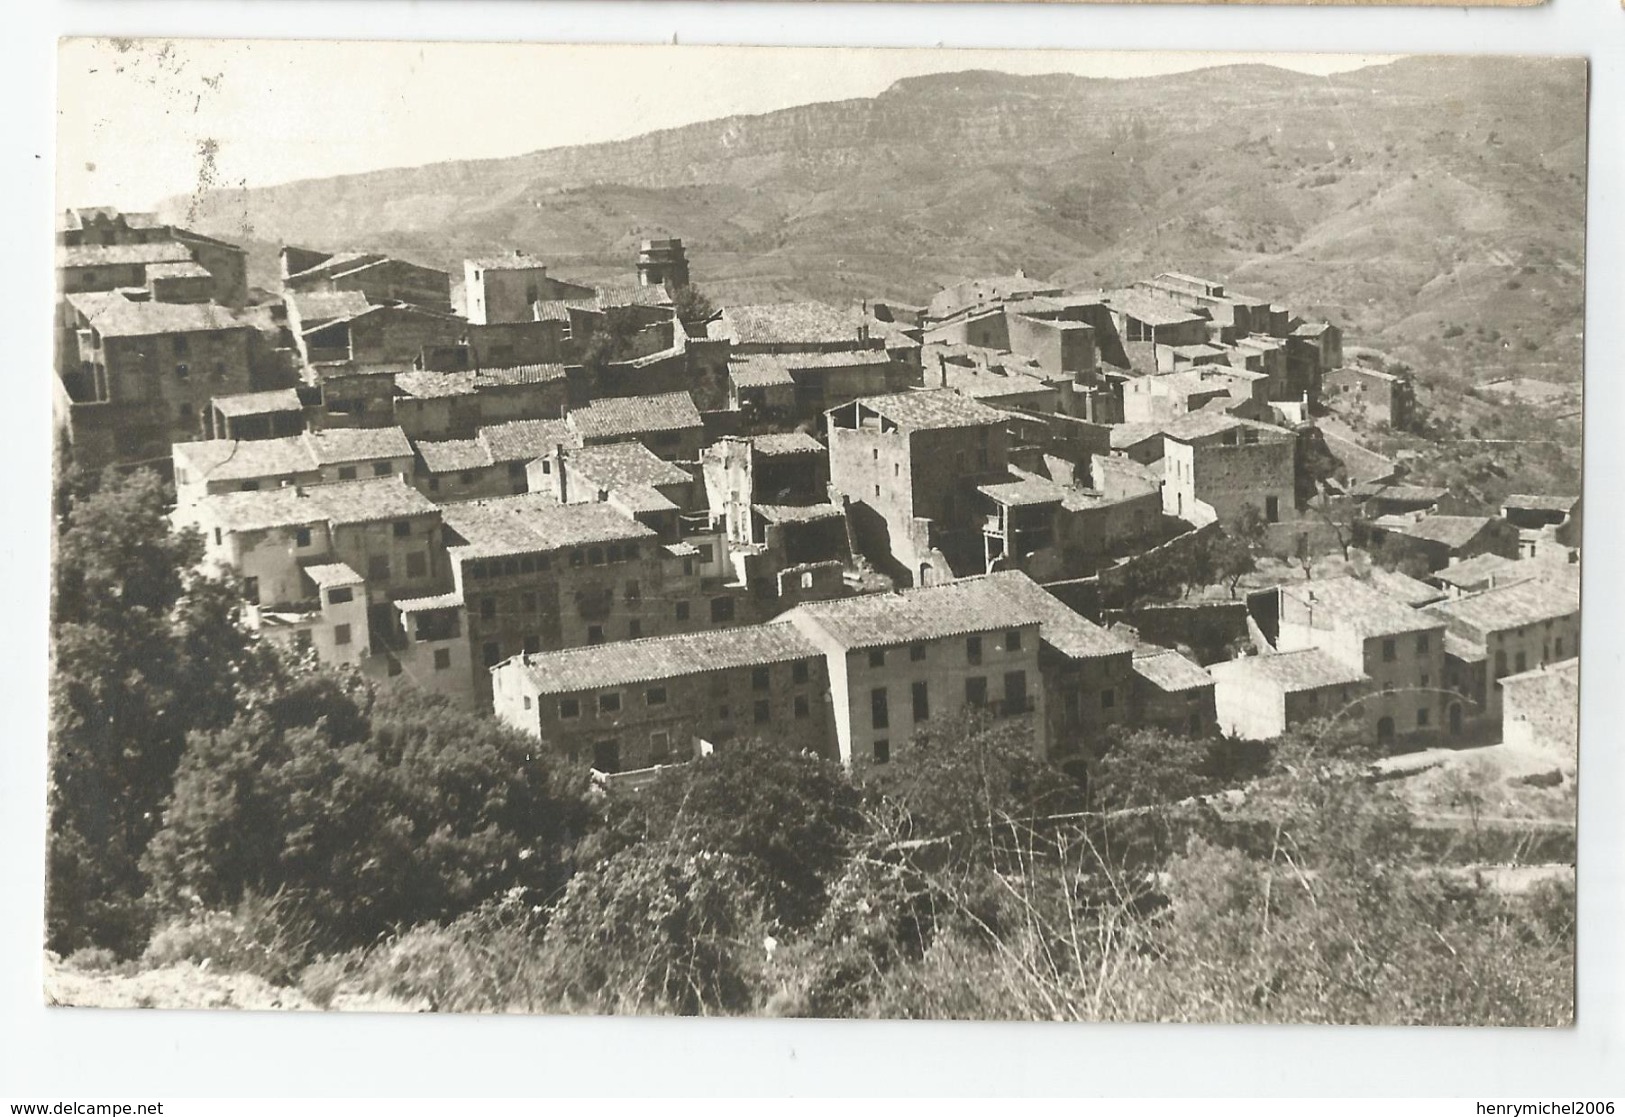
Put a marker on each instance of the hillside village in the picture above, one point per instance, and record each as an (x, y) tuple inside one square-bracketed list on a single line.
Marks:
[(639, 526)]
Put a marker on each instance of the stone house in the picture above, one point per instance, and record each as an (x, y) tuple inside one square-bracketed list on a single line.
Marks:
[(1439, 540), (1215, 465), (495, 462), (373, 275), (643, 703), (907, 467), (1502, 631), (1382, 398), (278, 413), (1258, 697), (1172, 693), (1541, 708), (668, 424)]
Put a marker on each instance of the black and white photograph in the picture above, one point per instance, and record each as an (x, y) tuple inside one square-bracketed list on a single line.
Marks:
[(928, 534)]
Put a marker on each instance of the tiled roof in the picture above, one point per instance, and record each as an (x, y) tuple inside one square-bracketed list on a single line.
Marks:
[(1541, 502), (1205, 424), (1453, 531), (257, 403), (435, 385), (1360, 463), (630, 294), (451, 600), (1359, 607), (1126, 435), (526, 440), (619, 416), (110, 255), (1421, 494), (533, 522), (783, 445), (625, 463), (453, 455), (513, 261), (747, 373), (343, 502), (1074, 636), (361, 502), (1150, 309), (665, 657), (1473, 571), (1404, 588), (1308, 669), (113, 315), (514, 375), (1464, 649), (803, 323), (177, 270), (1029, 490), (337, 262), (1169, 671), (326, 574), (314, 307), (225, 459), (797, 513), (337, 445), (934, 409), (987, 384), (1513, 606), (552, 310)]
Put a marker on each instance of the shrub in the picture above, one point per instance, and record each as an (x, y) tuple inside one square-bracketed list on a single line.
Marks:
[(92, 959), (263, 937)]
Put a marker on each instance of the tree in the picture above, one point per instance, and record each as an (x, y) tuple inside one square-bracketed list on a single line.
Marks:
[(1233, 549), (691, 305), (787, 818), (1150, 767), (145, 649), (366, 812), (612, 340)]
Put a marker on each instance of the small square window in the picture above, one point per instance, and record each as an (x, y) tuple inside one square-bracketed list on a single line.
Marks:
[(527, 701), (595, 634), (1422, 643), (442, 659), (488, 608), (877, 657), (633, 591), (682, 610), (346, 473), (1423, 717), (634, 629), (380, 469), (402, 528), (569, 708), (341, 634), (882, 752), (1012, 640), (1390, 651), (760, 678), (609, 702), (301, 537), (340, 596), (655, 696), (491, 653), (973, 649), (761, 711), (916, 652)]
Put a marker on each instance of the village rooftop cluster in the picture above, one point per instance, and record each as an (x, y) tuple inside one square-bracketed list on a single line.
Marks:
[(638, 533)]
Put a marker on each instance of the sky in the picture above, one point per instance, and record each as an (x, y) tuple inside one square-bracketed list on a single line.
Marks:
[(146, 119)]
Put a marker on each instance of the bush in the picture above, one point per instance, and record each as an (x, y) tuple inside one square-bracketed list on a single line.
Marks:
[(92, 959), (263, 937)]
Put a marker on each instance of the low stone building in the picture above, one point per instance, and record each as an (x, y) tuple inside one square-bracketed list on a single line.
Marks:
[(669, 424), (1259, 697), (1172, 693), (1383, 398), (1541, 708)]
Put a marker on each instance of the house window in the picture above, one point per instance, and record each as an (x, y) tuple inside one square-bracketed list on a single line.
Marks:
[(614, 552), (595, 556), (879, 714), (488, 608), (1108, 699), (976, 691), (217, 537), (346, 473), (402, 528), (1423, 717), (434, 484), (183, 371), (606, 756), (1424, 680), (341, 634), (761, 711), (340, 596), (301, 537), (609, 702), (659, 745), (251, 590), (634, 628), (1272, 509), (682, 610), (491, 653), (1500, 664), (798, 671), (381, 469), (417, 564), (759, 678), (1390, 651), (1012, 640), (1422, 644), (595, 634), (1015, 691), (569, 708), (527, 701), (1557, 647), (877, 657), (442, 659), (655, 696), (633, 591), (916, 652), (973, 649), (882, 752), (1523, 663), (393, 667), (922, 702), (801, 706)]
